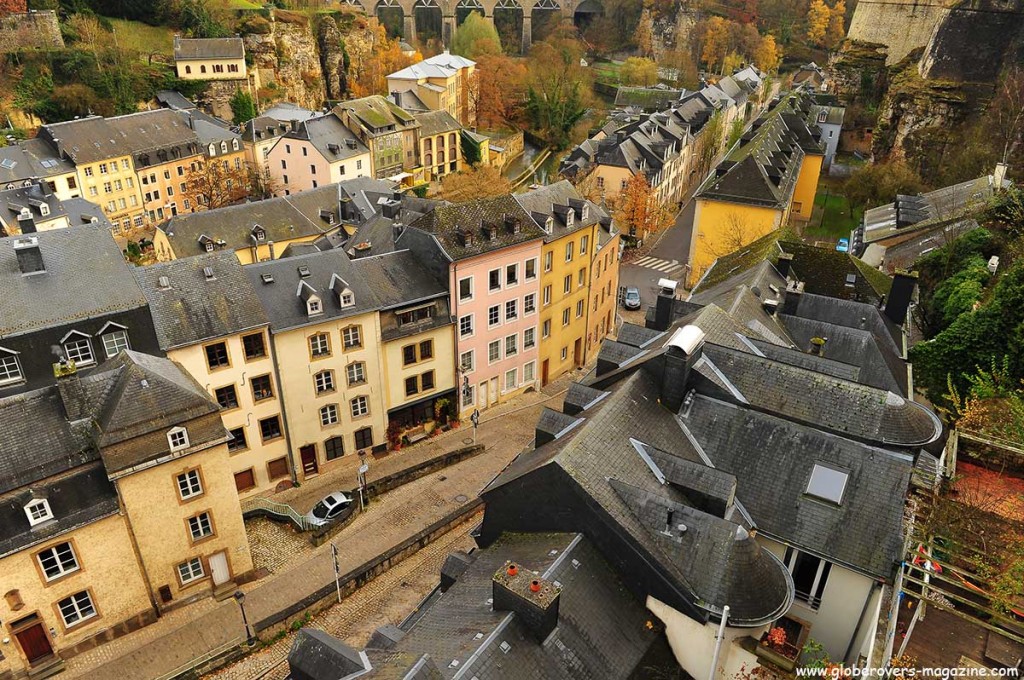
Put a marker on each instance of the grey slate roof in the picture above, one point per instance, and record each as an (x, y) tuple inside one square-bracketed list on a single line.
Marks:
[(193, 308), (435, 122), (173, 99), (812, 362), (397, 279), (618, 353), (445, 221), (316, 655), (637, 336), (30, 159), (555, 423), (208, 48), (81, 211), (96, 138), (553, 201), (85, 258), (33, 197), (582, 397), (329, 137)]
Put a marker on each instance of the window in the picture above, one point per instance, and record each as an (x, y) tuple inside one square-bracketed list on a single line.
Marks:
[(277, 468), (360, 407), (412, 386), (530, 303), (600, 183), (217, 356), (531, 269), (568, 251), (579, 308), (511, 310), (468, 396), (253, 346), (810, 575), (200, 526), (79, 350), (529, 338), (356, 373), (511, 345), (58, 561), (190, 484), (545, 329), (494, 280), (427, 381), (467, 361), (510, 379), (364, 438), (350, 337), (177, 438), (565, 317), (270, 428), (103, 168), (565, 353), (324, 381), (827, 483), (493, 351), (88, 172), (237, 442), (511, 274), (567, 283), (466, 289), (226, 396), (319, 345), (426, 350), (190, 571), (581, 277), (493, 315), (262, 388), (797, 206), (547, 295), (38, 511), (329, 415), (547, 260), (584, 243), (528, 372), (466, 326), (245, 480), (10, 369), (77, 608), (334, 448), (408, 355)]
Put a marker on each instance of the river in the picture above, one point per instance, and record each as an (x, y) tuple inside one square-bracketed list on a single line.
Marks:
[(546, 173)]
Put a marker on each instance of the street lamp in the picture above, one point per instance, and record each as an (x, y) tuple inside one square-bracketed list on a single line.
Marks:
[(250, 639)]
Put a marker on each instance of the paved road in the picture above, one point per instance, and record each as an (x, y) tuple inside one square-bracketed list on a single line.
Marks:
[(666, 259)]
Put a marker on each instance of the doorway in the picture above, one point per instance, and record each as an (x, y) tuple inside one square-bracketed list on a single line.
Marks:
[(544, 373), (33, 638), (577, 352), (219, 568), (493, 391), (483, 395), (308, 456)]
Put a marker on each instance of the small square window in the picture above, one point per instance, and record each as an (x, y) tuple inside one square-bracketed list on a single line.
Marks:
[(360, 407), (254, 346), (493, 315), (408, 355), (76, 609), (114, 342), (177, 438), (200, 526), (364, 438), (227, 397), (217, 355), (190, 484), (324, 381), (466, 326), (329, 415), (191, 571), (351, 337), (270, 428), (467, 361), (511, 310), (356, 373), (827, 483), (530, 303), (79, 350), (426, 350), (319, 345), (262, 388), (58, 561), (38, 511), (237, 441)]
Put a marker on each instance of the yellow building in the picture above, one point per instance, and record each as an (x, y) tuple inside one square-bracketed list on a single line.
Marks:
[(444, 82), (569, 258), (440, 144), (209, 320), (325, 336), (604, 285), (766, 181), (209, 58), (96, 539)]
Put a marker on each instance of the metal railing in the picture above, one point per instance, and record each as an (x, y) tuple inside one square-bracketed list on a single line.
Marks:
[(281, 510)]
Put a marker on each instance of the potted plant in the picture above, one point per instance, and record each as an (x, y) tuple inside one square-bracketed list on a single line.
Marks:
[(394, 435), (776, 650), (441, 411)]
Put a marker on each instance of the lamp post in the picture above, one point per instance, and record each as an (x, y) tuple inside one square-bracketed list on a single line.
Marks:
[(250, 639)]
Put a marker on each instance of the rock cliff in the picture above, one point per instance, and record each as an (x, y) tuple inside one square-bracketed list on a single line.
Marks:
[(288, 60)]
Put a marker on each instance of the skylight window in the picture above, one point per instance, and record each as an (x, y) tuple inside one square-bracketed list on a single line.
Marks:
[(827, 483)]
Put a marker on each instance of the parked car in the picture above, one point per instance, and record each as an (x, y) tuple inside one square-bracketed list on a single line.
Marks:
[(631, 300), (328, 509), (843, 245)]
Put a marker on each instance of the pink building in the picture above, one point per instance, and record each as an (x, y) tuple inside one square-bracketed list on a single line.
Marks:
[(316, 152), (491, 249)]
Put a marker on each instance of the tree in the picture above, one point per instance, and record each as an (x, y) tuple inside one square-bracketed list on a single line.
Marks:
[(12, 6), (373, 59), (638, 71), (499, 91), (836, 25), (88, 32), (243, 109), (818, 17), (216, 183), (877, 184), (262, 183), (475, 37), (735, 132), (480, 181), (558, 88), (715, 38), (1008, 111), (768, 56), (638, 209), (710, 141), (680, 63), (732, 62)]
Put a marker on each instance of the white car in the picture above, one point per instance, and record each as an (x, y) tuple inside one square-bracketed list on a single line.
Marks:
[(328, 509)]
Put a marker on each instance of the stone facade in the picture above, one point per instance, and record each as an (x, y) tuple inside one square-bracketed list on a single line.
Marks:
[(36, 30)]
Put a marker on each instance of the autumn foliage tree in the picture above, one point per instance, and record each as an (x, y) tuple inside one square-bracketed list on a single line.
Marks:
[(558, 89), (215, 183), (639, 71), (480, 181), (476, 37), (638, 209), (369, 70), (768, 56), (499, 92), (818, 17), (836, 25)]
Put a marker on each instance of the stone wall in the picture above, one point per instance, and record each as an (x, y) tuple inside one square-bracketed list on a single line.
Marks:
[(901, 25), (969, 44), (30, 31)]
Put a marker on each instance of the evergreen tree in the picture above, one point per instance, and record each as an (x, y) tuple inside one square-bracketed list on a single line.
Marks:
[(243, 108)]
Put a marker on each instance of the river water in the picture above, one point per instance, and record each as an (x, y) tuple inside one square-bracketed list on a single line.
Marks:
[(545, 174)]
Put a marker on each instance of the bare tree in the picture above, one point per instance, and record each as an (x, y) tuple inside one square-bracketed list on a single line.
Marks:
[(1008, 108), (216, 183)]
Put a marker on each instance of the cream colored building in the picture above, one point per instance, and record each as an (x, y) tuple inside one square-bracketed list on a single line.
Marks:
[(443, 82), (209, 58), (209, 320)]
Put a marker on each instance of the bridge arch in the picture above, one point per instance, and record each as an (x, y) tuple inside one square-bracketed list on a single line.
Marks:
[(391, 15)]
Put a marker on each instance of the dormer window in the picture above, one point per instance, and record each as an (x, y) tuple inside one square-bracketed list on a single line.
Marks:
[(44, 209), (347, 299), (38, 511), (259, 233), (313, 306), (78, 348), (10, 367), (585, 212), (570, 218), (213, 149), (209, 246), (549, 224), (177, 438), (822, 116), (234, 144), (223, 147)]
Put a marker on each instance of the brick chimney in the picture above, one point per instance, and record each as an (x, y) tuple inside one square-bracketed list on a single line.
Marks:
[(663, 312), (684, 349), (26, 223), (72, 395), (30, 258), (533, 598), (900, 295), (791, 298)]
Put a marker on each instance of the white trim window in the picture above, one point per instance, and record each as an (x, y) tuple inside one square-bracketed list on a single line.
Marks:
[(78, 348), (467, 360), (200, 526), (58, 560), (329, 415), (529, 339), (466, 326), (76, 608), (493, 315), (360, 407), (177, 438), (529, 370), (191, 571), (510, 380), (512, 345), (511, 310), (530, 304), (530, 269), (810, 575), (466, 289), (114, 342), (356, 373), (493, 351), (190, 485), (38, 511), (10, 368), (324, 381)]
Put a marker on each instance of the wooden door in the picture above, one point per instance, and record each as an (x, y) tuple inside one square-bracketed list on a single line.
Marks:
[(494, 391), (308, 455), (577, 352), (34, 642), (219, 568), (544, 372), (482, 394)]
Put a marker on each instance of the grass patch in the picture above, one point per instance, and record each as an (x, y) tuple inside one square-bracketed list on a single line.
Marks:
[(832, 217), (607, 72), (143, 38), (236, 4)]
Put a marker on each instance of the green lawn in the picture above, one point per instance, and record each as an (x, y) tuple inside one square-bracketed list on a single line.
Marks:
[(143, 38), (832, 218), (607, 72)]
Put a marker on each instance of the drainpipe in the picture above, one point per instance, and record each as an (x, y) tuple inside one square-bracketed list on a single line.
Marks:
[(284, 413), (874, 635), (860, 622), (718, 642)]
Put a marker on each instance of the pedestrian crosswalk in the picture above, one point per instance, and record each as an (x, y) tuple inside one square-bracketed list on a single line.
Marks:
[(670, 267)]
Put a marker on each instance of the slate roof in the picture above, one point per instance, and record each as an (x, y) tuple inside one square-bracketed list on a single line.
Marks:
[(193, 308), (436, 122), (397, 279), (85, 258), (442, 65), (647, 98), (329, 137), (208, 48), (172, 99), (376, 115), (33, 197), (316, 655), (826, 271), (408, 100), (95, 138), (264, 127), (81, 211), (618, 353), (553, 201), (445, 221), (582, 397), (30, 159), (863, 532), (637, 336)]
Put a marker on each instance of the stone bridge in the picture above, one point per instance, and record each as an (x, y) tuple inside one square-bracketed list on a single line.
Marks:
[(453, 12)]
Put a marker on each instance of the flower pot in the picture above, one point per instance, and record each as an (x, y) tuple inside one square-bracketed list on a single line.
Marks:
[(782, 659)]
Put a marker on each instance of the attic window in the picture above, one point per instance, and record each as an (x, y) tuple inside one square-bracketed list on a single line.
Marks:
[(258, 233), (822, 116), (164, 282), (347, 299), (313, 306), (209, 246), (177, 438), (38, 511), (208, 273), (585, 212), (827, 483)]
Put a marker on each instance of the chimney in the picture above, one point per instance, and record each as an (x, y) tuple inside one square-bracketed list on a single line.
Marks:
[(900, 295), (791, 298), (270, 247), (72, 395), (531, 597), (784, 264), (684, 348), (30, 259), (26, 223), (663, 312), (295, 126), (818, 346), (391, 209)]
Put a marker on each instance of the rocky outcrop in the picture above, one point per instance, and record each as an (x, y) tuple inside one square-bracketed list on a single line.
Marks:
[(289, 63), (333, 59), (969, 44), (902, 26)]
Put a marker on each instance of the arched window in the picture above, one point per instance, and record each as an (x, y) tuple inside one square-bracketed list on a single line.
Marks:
[(451, 141), (428, 145), (440, 156), (188, 69), (202, 68), (430, 159), (440, 142), (223, 147)]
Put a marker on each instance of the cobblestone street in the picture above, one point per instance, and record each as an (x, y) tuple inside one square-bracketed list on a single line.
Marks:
[(179, 638)]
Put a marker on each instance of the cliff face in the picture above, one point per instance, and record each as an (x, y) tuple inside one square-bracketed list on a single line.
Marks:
[(288, 60), (972, 40)]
